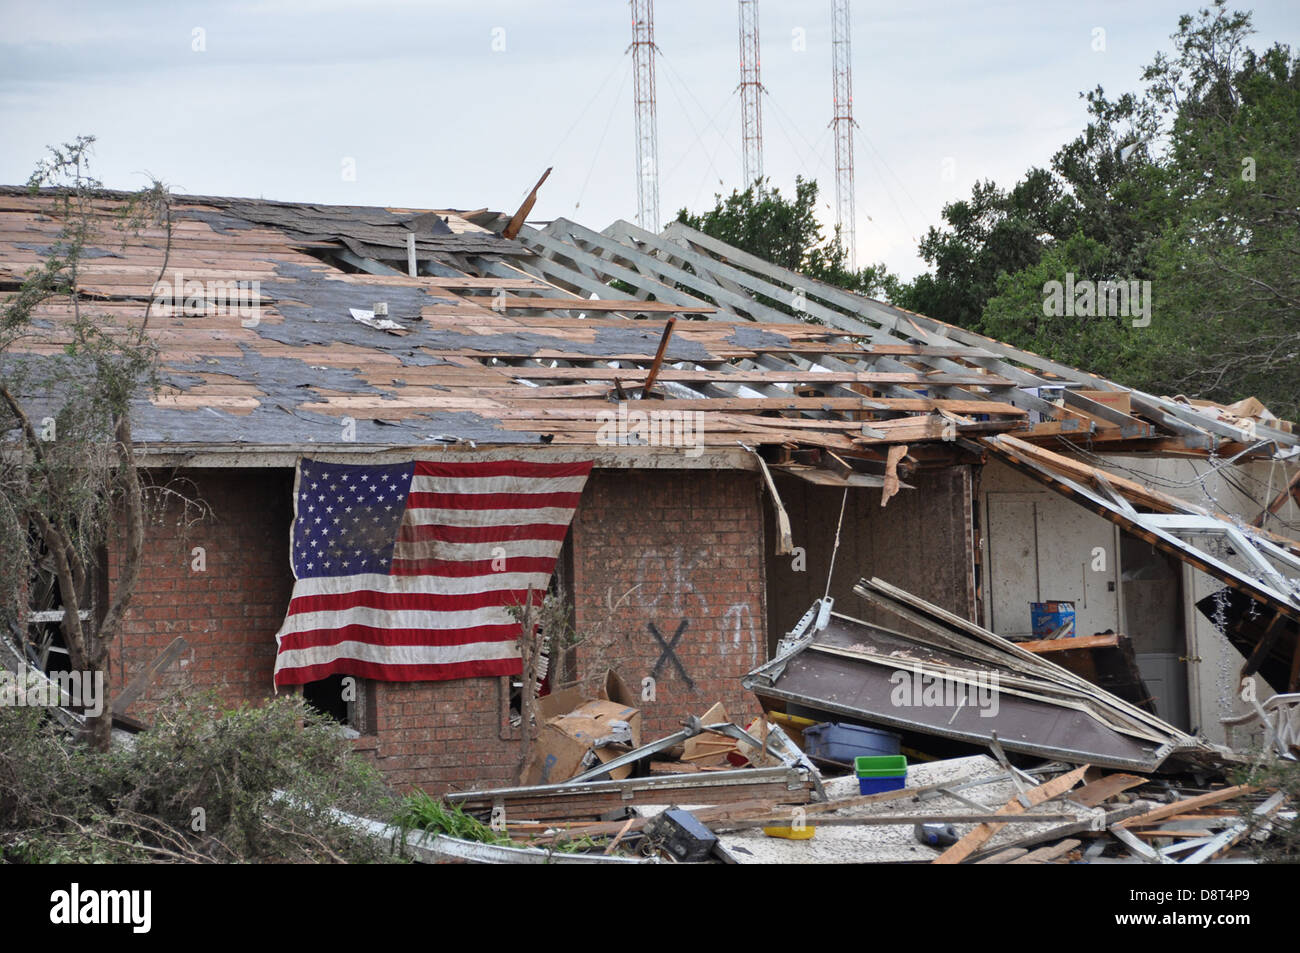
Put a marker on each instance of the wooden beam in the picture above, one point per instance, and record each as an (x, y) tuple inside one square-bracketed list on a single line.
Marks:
[(1185, 805), (1035, 796), (659, 357), (1292, 490), (517, 220)]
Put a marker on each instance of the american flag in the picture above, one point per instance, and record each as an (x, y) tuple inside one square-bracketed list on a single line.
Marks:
[(404, 571)]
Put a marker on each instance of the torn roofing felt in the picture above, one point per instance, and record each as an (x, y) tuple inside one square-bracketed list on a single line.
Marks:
[(960, 682), (539, 340)]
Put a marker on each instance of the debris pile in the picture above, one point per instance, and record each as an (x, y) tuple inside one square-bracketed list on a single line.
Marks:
[(1095, 778)]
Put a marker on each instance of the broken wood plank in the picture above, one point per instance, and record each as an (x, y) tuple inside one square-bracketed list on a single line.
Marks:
[(1185, 805), (1103, 789), (1045, 854), (1038, 795), (1010, 855), (135, 688)]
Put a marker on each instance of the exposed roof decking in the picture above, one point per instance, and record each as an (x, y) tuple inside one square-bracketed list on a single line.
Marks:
[(498, 342)]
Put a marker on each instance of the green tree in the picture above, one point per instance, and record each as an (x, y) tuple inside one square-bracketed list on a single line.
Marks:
[(1227, 266), (1192, 183), (69, 473), (785, 232), (993, 233), (1103, 344)]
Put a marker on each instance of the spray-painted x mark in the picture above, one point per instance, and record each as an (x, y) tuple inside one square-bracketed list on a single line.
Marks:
[(669, 653)]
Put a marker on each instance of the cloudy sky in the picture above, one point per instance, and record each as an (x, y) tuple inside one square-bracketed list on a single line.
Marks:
[(462, 103)]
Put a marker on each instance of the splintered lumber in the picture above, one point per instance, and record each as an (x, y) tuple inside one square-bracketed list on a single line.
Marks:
[(1038, 795), (517, 220), (708, 815), (1228, 838), (1095, 825), (1045, 854), (1186, 805), (589, 799), (1103, 789), (659, 357), (1010, 855)]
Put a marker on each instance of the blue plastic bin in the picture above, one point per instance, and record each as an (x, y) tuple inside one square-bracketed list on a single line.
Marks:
[(1047, 617), (832, 741), (876, 785), (878, 773)]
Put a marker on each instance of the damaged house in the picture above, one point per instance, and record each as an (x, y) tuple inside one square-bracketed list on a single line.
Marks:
[(732, 443)]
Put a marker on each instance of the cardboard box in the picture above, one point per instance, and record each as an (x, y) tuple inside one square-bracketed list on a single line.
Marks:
[(602, 726)]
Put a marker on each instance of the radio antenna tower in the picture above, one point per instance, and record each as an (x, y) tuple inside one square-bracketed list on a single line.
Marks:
[(842, 69), (643, 94), (751, 91)]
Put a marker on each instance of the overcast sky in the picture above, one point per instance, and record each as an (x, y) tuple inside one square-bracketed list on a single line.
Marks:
[(462, 103)]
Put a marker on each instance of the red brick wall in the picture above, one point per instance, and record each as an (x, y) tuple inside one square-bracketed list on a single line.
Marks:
[(665, 548), (442, 736), (229, 612)]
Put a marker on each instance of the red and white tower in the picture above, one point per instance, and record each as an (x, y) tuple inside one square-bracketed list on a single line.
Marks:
[(842, 120), (647, 134), (751, 91)]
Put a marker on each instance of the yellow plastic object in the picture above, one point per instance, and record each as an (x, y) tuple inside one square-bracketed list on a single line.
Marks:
[(789, 833), (793, 724)]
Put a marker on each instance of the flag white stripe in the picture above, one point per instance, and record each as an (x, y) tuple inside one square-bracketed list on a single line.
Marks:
[(556, 515), (476, 552), (394, 619), (438, 624), (398, 654), (420, 585), (498, 484)]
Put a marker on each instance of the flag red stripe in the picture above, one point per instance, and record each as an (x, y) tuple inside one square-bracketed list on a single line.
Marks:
[(449, 568), (527, 504), (504, 533), (415, 601), (491, 501), (485, 668), (314, 638)]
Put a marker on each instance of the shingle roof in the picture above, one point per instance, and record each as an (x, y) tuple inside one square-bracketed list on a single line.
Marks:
[(500, 342)]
